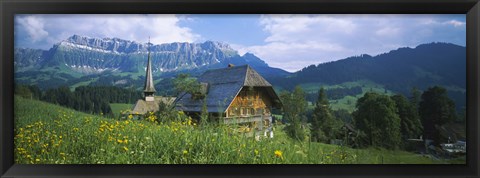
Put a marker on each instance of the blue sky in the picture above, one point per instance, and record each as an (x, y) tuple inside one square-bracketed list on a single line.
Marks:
[(290, 42)]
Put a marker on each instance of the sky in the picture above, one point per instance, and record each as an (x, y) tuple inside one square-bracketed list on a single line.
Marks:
[(289, 42)]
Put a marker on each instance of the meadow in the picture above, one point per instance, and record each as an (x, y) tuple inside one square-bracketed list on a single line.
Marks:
[(347, 102), (50, 134)]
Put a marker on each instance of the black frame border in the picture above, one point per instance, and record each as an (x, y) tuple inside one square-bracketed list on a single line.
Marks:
[(9, 8)]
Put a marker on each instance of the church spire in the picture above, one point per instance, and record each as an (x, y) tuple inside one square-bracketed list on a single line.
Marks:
[(149, 89)]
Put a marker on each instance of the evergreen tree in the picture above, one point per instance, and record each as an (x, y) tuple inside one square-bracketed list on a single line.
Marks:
[(436, 109), (37, 93), (378, 121), (23, 91), (343, 115), (323, 127), (415, 98), (294, 108)]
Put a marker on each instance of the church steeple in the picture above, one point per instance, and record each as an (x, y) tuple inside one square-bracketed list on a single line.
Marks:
[(149, 89)]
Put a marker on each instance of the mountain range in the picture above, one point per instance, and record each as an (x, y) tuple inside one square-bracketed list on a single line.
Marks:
[(423, 66), (85, 55), (80, 60)]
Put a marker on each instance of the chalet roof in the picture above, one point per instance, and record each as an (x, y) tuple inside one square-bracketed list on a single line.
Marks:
[(142, 106), (223, 86), (350, 127)]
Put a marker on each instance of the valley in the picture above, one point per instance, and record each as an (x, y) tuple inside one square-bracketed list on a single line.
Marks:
[(79, 61)]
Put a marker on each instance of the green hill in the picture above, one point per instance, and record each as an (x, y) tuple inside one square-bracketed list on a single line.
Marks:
[(400, 70), (50, 134)]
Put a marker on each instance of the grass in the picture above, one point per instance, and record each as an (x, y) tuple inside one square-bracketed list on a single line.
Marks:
[(83, 83), (50, 134), (117, 107), (348, 102)]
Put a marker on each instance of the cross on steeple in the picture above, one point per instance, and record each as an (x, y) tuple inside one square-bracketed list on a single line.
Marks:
[(149, 89)]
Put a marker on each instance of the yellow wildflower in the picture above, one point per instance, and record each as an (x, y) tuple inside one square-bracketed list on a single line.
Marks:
[(278, 153), (125, 148), (185, 152)]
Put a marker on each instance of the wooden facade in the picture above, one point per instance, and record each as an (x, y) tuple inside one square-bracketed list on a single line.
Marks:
[(251, 101), (251, 109), (235, 95)]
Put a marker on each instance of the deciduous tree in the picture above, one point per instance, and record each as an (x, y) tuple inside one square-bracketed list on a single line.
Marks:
[(410, 125), (378, 121), (294, 108), (436, 109)]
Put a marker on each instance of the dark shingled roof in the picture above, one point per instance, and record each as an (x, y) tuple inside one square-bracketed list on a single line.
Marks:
[(223, 86)]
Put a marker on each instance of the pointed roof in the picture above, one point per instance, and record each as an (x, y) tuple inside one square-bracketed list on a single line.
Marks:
[(223, 86), (149, 86)]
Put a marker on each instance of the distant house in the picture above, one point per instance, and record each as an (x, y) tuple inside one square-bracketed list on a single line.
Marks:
[(350, 134), (149, 102), (233, 95)]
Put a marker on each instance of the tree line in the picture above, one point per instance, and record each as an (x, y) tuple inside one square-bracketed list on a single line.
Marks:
[(89, 99), (379, 120), (336, 93)]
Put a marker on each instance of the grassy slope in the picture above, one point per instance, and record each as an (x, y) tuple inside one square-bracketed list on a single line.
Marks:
[(83, 83), (117, 107), (47, 133), (347, 102)]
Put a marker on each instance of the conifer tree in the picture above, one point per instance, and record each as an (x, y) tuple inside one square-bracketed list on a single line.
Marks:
[(323, 124)]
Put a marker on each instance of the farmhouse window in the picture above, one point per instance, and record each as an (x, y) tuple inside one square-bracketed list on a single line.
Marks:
[(252, 111), (232, 112), (259, 111)]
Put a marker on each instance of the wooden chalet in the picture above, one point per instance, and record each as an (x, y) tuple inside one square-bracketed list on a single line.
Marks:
[(233, 95)]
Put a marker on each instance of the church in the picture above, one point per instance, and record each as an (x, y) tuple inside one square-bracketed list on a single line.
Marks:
[(236, 95), (149, 102)]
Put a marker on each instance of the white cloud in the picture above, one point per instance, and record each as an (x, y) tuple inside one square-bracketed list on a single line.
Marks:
[(455, 23), (291, 42), (387, 31), (296, 41), (289, 56), (49, 29), (34, 28), (302, 27)]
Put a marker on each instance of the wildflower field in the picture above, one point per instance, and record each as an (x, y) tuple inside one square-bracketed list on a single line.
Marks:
[(50, 134)]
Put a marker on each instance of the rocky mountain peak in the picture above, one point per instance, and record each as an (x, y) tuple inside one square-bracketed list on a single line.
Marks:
[(118, 45)]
